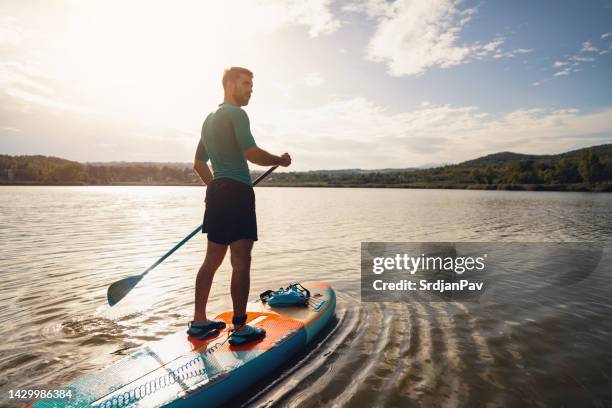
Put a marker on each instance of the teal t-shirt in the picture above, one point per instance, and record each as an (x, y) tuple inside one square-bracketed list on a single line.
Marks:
[(226, 134)]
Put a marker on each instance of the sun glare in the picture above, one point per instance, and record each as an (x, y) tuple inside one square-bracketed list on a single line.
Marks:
[(146, 59)]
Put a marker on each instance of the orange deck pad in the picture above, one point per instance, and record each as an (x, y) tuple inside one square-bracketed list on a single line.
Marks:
[(275, 325), (317, 285)]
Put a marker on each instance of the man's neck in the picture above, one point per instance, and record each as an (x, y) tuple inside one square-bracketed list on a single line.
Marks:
[(231, 100)]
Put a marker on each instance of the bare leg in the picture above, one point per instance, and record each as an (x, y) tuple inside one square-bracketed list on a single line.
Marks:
[(240, 252), (214, 256)]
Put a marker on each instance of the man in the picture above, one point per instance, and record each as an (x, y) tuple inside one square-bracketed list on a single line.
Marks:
[(229, 218)]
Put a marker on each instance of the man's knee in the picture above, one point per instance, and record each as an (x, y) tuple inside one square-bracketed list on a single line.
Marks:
[(241, 254), (214, 255), (241, 261)]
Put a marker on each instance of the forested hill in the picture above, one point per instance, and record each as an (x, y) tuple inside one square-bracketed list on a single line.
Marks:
[(501, 158), (588, 169)]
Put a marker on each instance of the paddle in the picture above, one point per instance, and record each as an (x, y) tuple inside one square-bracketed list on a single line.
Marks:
[(119, 289)]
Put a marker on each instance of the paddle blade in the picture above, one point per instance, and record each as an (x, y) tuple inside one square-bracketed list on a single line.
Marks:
[(119, 289)]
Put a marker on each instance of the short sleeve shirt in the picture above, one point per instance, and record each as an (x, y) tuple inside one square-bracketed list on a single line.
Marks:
[(226, 134)]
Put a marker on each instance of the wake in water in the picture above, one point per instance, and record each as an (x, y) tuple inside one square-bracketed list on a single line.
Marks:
[(440, 354)]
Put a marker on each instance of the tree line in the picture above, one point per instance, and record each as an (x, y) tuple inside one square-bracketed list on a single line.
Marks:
[(585, 167), (52, 170)]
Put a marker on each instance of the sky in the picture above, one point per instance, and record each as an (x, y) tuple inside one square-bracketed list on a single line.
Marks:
[(338, 84)]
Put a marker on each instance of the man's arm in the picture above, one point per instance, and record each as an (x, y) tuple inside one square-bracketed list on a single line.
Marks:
[(203, 171), (246, 142), (261, 157), (199, 163)]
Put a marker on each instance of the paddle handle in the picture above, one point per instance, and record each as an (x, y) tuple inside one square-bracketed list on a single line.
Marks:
[(263, 176), (198, 229)]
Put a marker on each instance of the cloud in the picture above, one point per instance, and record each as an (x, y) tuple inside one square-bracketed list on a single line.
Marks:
[(86, 56), (414, 36), (571, 64), (14, 75), (606, 35), (40, 126), (314, 14), (343, 133), (271, 15), (314, 79), (512, 53), (11, 35), (372, 8), (360, 133), (45, 101), (588, 47), (563, 72), (582, 59)]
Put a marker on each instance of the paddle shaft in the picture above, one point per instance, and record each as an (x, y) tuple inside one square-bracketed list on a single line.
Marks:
[(198, 229)]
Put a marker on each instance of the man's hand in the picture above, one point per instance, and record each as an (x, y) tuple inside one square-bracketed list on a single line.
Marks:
[(203, 171), (285, 160)]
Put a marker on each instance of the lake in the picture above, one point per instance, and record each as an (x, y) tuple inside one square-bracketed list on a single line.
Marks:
[(63, 246)]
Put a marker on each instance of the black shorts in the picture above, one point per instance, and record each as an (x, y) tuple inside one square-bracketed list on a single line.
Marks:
[(230, 212)]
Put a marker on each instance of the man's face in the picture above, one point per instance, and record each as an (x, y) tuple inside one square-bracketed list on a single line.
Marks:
[(243, 89)]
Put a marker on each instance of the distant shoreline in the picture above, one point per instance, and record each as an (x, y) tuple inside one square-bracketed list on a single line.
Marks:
[(586, 169), (581, 187)]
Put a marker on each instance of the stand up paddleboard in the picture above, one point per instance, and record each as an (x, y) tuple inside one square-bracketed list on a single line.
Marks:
[(182, 371)]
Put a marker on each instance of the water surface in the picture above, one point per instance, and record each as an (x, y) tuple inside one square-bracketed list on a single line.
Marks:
[(63, 246)]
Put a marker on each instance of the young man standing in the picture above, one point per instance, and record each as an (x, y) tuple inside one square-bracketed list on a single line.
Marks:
[(229, 218)]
